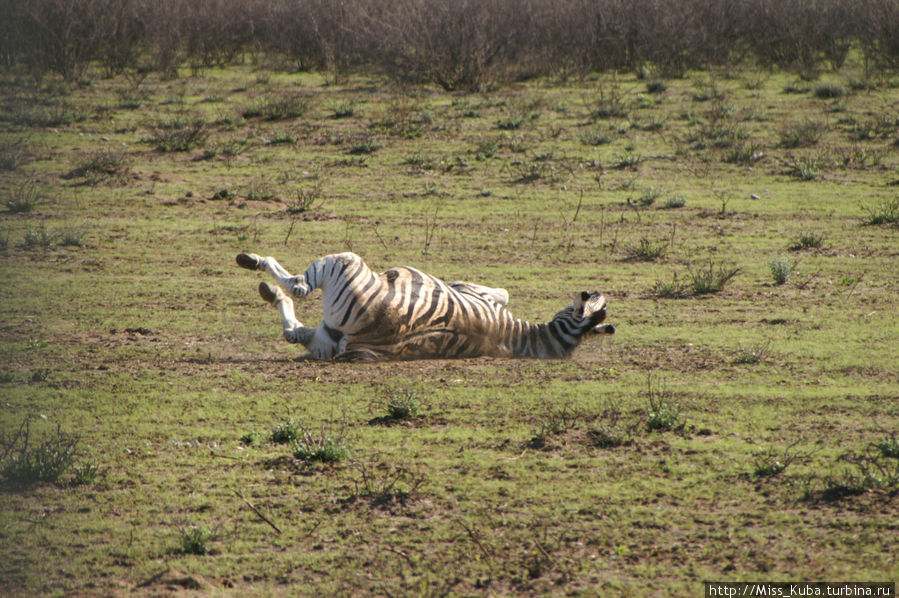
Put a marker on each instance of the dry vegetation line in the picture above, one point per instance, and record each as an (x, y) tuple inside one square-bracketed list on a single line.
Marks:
[(404, 313)]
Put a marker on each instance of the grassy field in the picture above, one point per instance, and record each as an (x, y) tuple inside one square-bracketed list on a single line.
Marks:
[(156, 432)]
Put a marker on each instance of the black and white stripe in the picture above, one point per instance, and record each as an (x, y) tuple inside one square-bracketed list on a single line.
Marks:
[(404, 313)]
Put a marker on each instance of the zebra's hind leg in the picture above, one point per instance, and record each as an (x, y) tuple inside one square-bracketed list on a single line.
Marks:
[(294, 331), (295, 285)]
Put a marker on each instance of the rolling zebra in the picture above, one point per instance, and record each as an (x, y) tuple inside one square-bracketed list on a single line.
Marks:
[(404, 313)]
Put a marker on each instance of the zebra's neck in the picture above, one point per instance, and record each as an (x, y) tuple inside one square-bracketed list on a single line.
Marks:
[(555, 339)]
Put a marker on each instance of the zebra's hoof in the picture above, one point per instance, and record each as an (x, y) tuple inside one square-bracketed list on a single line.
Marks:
[(248, 261), (268, 292)]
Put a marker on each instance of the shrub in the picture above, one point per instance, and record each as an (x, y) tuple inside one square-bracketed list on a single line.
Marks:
[(646, 250), (324, 449), (287, 431), (885, 212), (804, 134), (283, 108), (781, 269), (674, 202), (829, 91), (25, 465), (704, 281), (100, 165), (179, 135), (14, 152), (23, 199), (195, 540), (752, 355), (403, 404), (807, 240)]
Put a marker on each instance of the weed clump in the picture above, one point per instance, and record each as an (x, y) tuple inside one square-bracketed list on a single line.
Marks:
[(706, 281), (781, 269), (25, 465), (807, 240), (886, 212)]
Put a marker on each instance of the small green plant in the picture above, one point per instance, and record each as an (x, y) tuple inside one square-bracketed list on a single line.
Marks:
[(283, 108), (646, 250), (14, 152), (72, 237), (781, 269), (628, 161), (366, 146), (647, 197), (804, 134), (306, 199), (403, 404), (674, 202), (284, 136), (663, 413), (195, 539), (805, 168), (595, 138), (772, 462), (39, 237), (101, 165), (711, 279), (86, 473), (179, 135), (656, 86), (343, 110), (807, 240), (248, 439), (829, 91), (885, 212), (889, 447), (753, 354), (324, 449), (286, 431), (25, 465), (673, 289)]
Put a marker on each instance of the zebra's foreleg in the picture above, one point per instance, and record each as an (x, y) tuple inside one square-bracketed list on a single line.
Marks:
[(295, 285), (294, 331)]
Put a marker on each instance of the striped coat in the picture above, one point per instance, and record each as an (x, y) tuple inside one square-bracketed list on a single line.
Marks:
[(404, 313)]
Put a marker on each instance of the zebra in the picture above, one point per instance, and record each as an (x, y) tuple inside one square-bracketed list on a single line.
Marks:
[(404, 314)]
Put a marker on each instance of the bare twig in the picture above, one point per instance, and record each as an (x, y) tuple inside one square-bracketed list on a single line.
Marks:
[(258, 513)]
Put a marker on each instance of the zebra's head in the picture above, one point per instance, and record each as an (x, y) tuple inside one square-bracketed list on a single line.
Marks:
[(588, 310)]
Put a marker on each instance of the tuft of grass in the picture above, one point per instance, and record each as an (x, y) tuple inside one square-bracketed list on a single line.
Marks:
[(179, 135), (656, 86), (781, 269), (283, 108), (72, 237), (672, 289), (807, 240), (40, 237), (885, 212), (753, 354), (646, 250), (286, 431), (366, 146), (773, 462), (14, 152), (25, 465), (664, 413), (804, 134), (86, 473), (594, 138), (711, 279), (889, 447), (284, 136), (674, 202), (806, 168), (23, 199), (343, 110), (195, 539), (323, 450), (101, 165), (403, 404), (828, 91)]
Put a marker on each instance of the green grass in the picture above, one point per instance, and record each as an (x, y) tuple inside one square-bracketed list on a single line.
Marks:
[(207, 445)]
